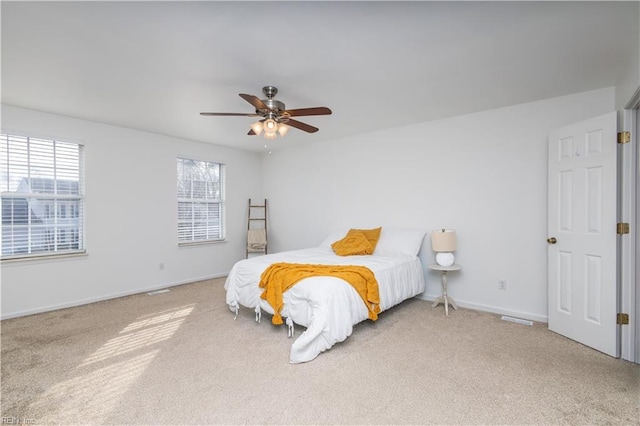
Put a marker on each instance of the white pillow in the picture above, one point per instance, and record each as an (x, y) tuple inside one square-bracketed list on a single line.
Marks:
[(400, 241), (333, 237)]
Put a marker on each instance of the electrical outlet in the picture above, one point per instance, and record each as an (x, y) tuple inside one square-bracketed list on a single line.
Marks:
[(162, 266), (502, 284)]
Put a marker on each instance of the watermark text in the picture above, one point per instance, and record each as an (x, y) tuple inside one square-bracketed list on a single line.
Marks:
[(13, 420)]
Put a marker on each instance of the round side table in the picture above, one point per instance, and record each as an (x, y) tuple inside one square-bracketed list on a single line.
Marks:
[(445, 299)]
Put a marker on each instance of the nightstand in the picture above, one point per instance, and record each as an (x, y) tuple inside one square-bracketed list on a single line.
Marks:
[(445, 299)]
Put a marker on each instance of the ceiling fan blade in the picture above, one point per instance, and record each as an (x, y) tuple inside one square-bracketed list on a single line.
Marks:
[(251, 133), (302, 126), (253, 100), (308, 111), (229, 114)]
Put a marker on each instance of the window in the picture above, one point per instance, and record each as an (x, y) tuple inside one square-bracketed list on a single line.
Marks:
[(41, 181), (200, 201)]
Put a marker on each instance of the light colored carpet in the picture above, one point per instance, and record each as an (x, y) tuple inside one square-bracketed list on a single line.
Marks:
[(180, 358)]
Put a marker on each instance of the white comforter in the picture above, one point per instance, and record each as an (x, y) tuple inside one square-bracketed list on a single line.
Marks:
[(329, 307)]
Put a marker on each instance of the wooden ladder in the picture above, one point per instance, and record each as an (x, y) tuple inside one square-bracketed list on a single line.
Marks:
[(257, 213)]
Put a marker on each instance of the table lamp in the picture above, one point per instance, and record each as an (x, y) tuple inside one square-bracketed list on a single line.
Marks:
[(443, 242)]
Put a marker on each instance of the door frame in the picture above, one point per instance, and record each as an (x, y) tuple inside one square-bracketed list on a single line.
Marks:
[(629, 245)]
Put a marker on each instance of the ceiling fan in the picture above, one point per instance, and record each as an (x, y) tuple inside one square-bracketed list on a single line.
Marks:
[(275, 117)]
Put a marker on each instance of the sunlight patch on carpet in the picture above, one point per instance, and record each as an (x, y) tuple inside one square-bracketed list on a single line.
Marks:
[(150, 331), (95, 389), (147, 320), (95, 393)]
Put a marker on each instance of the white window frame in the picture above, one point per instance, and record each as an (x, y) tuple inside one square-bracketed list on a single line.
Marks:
[(32, 171), (201, 204)]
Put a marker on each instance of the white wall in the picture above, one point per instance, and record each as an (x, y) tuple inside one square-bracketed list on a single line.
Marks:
[(131, 214), (484, 174)]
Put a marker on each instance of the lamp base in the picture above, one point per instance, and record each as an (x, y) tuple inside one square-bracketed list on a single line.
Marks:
[(445, 259)]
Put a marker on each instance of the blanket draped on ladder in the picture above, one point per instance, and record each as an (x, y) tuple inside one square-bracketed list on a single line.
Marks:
[(279, 277)]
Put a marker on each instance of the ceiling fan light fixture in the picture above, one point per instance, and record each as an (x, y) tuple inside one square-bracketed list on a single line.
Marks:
[(257, 127), (283, 129), (270, 135)]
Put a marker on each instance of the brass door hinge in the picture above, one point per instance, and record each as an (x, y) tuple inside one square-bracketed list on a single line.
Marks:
[(624, 137), (622, 228), (622, 319)]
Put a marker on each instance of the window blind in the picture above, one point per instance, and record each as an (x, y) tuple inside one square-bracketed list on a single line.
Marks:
[(201, 201), (42, 196)]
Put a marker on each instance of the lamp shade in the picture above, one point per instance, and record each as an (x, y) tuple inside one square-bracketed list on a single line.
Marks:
[(444, 240)]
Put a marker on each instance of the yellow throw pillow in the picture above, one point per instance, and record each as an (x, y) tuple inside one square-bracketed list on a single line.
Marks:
[(354, 243), (373, 235)]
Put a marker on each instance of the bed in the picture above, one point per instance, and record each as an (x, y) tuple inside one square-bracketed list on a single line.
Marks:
[(328, 306)]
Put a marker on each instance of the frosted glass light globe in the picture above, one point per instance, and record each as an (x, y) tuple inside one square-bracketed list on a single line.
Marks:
[(270, 125)]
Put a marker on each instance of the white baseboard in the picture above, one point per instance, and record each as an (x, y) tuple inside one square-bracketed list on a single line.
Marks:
[(74, 303), (492, 309), (429, 297)]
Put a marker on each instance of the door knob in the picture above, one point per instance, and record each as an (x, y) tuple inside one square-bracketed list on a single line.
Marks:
[(552, 240)]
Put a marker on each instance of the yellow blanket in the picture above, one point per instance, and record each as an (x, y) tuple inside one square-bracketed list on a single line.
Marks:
[(279, 277)]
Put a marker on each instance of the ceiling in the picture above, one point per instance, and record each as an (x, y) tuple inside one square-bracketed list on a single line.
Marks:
[(154, 66)]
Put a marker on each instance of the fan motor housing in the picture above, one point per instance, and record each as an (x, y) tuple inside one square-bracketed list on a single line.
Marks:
[(273, 105)]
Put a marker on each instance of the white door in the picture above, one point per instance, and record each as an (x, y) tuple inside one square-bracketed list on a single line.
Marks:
[(582, 233)]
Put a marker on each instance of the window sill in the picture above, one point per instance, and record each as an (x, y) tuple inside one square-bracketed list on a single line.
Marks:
[(201, 243), (43, 259)]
